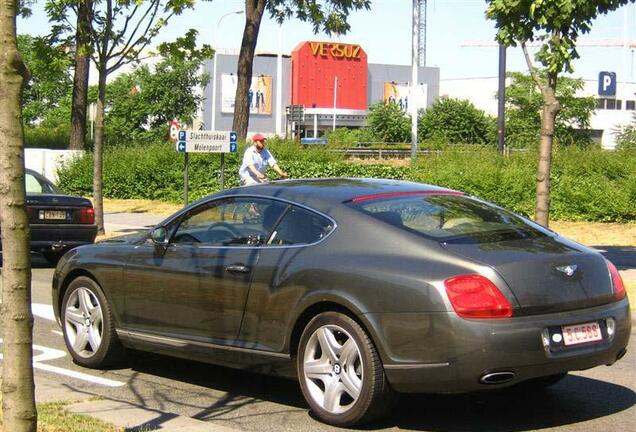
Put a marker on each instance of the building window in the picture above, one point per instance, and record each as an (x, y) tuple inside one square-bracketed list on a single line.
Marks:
[(630, 105), (600, 103), (611, 104), (619, 104)]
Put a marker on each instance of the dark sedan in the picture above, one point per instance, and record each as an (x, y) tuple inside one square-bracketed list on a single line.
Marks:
[(357, 287), (58, 222)]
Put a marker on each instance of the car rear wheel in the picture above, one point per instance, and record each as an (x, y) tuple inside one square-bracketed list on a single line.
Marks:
[(340, 373), (88, 325)]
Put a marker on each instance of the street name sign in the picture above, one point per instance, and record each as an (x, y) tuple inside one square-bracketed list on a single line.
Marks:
[(206, 142)]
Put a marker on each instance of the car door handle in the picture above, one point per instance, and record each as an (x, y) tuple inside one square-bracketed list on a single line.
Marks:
[(238, 268)]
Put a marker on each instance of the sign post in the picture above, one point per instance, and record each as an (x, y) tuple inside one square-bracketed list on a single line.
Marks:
[(205, 142)]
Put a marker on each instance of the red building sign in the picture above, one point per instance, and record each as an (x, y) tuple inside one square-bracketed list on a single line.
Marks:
[(315, 66)]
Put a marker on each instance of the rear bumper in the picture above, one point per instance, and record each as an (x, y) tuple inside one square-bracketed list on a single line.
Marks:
[(60, 237), (465, 350)]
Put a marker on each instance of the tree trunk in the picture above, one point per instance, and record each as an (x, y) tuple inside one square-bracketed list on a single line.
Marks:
[(80, 78), (98, 152), (551, 108), (254, 13), (18, 390)]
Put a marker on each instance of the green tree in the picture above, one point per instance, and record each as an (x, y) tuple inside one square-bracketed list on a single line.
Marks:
[(557, 25), (18, 391), (142, 102), (81, 72), (328, 15), (50, 85), (389, 123), (121, 31), (523, 111), (456, 121)]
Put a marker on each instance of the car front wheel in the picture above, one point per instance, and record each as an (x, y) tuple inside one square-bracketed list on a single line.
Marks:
[(340, 372), (87, 321)]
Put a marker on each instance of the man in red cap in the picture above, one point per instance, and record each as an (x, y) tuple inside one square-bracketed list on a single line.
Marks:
[(255, 162)]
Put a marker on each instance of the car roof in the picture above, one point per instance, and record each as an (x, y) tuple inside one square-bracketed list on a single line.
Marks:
[(327, 192)]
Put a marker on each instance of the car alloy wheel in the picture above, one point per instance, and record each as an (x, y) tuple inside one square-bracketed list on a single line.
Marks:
[(333, 369), (340, 372), (88, 327), (83, 321)]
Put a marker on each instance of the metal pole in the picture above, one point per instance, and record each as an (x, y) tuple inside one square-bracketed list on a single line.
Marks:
[(415, 64), (279, 83), (213, 122), (335, 98), (501, 111), (222, 171), (185, 179)]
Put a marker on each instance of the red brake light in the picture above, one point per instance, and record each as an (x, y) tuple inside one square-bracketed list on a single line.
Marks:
[(474, 296), (617, 281), (87, 216)]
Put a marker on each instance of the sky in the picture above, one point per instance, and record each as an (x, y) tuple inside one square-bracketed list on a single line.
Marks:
[(384, 32)]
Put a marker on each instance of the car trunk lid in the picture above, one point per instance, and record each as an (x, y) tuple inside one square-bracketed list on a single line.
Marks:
[(56, 208), (544, 273)]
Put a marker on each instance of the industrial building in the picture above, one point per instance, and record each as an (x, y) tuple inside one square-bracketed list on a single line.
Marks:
[(332, 82)]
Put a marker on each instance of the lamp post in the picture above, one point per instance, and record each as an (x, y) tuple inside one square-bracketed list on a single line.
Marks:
[(214, 77)]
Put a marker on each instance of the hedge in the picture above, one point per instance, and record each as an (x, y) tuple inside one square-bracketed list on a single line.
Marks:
[(592, 185)]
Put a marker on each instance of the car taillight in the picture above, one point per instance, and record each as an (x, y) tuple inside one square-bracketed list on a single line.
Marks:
[(617, 281), (87, 216), (474, 296)]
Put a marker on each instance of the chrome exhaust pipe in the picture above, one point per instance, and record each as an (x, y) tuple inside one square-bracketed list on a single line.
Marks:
[(497, 377)]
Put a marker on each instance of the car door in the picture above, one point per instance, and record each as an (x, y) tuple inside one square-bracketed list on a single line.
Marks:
[(202, 280), (286, 265)]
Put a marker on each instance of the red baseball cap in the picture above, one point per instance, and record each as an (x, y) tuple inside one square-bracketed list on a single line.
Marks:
[(258, 137)]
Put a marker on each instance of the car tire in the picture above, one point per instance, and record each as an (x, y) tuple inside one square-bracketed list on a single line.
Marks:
[(88, 325), (340, 372)]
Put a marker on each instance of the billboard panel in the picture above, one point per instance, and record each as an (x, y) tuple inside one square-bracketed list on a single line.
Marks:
[(259, 96), (399, 94)]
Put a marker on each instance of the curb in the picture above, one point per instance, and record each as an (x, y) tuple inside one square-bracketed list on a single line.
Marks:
[(134, 417), (121, 414)]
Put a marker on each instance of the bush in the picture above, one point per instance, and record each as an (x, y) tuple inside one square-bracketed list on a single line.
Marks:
[(456, 121), (48, 138), (591, 185), (389, 123), (345, 137), (626, 137)]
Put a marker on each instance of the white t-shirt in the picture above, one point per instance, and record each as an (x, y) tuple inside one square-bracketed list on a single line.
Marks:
[(259, 160)]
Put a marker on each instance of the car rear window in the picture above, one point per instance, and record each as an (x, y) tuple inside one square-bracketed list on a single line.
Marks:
[(451, 218), (35, 186)]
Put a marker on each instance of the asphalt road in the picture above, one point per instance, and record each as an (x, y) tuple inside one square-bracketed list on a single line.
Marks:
[(601, 399)]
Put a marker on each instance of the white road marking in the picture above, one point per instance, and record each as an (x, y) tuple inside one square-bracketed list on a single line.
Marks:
[(43, 311), (48, 354)]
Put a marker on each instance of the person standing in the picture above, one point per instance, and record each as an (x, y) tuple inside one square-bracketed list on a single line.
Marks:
[(256, 159)]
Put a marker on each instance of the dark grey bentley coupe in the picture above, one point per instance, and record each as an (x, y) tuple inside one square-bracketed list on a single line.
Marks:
[(357, 287)]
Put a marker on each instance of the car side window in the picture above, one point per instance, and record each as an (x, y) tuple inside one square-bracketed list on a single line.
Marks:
[(230, 222), (300, 226)]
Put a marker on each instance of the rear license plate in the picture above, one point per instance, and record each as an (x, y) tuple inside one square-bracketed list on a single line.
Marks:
[(53, 215), (581, 333)]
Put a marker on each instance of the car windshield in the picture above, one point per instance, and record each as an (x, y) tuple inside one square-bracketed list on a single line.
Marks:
[(450, 218)]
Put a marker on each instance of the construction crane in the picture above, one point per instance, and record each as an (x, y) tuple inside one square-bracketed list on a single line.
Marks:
[(422, 32)]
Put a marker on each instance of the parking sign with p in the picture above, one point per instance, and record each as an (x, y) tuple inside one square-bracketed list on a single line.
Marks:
[(607, 84)]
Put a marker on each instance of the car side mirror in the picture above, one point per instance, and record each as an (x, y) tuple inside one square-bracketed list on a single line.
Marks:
[(160, 236)]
